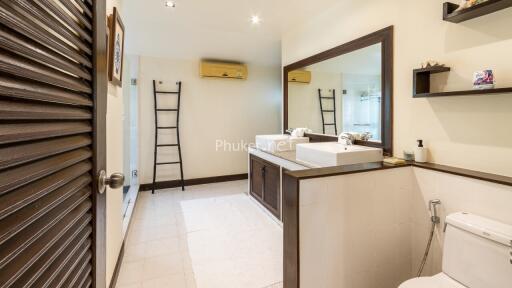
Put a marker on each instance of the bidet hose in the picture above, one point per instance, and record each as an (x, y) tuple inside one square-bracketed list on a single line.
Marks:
[(425, 256)]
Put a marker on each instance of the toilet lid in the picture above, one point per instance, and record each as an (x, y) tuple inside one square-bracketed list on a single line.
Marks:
[(438, 281)]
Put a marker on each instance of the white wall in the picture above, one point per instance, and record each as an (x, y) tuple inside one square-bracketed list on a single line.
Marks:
[(469, 131), (212, 109), (370, 230), (304, 106)]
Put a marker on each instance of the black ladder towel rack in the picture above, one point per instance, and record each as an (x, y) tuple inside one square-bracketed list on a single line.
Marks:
[(329, 112), (176, 128)]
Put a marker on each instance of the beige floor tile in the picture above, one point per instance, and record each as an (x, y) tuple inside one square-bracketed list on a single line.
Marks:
[(206, 237), (172, 281)]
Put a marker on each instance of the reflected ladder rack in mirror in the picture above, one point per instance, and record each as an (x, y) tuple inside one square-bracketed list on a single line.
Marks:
[(176, 128), (328, 111)]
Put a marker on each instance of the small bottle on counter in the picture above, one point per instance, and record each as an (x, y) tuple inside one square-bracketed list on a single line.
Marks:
[(420, 154)]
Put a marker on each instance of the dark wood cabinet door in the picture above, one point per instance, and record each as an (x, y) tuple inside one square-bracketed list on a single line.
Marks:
[(266, 184), (257, 167), (271, 195)]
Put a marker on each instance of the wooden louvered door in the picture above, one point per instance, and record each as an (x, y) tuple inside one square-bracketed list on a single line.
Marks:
[(52, 143)]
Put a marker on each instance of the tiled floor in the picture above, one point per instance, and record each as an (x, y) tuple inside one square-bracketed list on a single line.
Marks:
[(206, 237)]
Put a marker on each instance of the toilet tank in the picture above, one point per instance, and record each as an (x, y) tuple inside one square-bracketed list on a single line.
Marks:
[(477, 251)]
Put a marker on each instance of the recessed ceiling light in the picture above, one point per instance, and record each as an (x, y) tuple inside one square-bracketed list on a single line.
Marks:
[(170, 4), (255, 19)]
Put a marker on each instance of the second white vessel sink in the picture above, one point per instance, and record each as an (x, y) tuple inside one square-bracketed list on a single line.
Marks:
[(328, 154), (278, 143)]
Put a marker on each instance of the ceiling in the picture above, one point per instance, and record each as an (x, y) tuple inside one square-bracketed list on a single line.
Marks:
[(219, 29)]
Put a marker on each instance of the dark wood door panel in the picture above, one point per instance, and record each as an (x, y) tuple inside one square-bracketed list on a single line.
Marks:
[(15, 43), (22, 132), (272, 195), (52, 143), (23, 89), (257, 167), (27, 194), (19, 176), (21, 110), (20, 154), (26, 68), (266, 184), (16, 17)]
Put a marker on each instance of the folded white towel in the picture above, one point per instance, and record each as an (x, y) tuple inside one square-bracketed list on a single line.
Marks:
[(299, 132)]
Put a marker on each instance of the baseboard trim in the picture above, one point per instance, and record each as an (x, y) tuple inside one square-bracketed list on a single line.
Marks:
[(113, 281), (192, 182)]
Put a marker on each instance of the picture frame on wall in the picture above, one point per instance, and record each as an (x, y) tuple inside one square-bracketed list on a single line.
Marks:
[(115, 48)]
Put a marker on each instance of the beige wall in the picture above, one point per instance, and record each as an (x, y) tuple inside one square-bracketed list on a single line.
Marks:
[(456, 194), (371, 229), (212, 109), (355, 230), (115, 115), (470, 132)]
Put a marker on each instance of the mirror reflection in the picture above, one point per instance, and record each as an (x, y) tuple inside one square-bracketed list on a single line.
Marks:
[(339, 95)]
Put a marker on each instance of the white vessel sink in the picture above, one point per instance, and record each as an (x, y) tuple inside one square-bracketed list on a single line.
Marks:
[(278, 143), (334, 154)]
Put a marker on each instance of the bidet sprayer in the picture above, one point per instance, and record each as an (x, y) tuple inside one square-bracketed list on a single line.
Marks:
[(432, 206)]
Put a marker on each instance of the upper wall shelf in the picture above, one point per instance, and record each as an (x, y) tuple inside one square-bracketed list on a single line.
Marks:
[(485, 8), (465, 92), (422, 85)]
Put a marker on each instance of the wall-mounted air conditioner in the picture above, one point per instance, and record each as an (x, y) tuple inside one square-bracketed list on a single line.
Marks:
[(299, 76), (219, 69)]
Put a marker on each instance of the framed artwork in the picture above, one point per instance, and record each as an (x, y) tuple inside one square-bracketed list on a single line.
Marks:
[(483, 79), (115, 48)]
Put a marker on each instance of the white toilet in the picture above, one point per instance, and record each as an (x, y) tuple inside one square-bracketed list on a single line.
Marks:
[(477, 254)]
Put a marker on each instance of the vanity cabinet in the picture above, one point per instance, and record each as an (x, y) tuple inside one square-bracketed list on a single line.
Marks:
[(265, 184)]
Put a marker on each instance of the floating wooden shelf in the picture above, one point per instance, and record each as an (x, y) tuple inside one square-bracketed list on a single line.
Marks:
[(479, 10), (422, 85), (466, 92), (422, 78)]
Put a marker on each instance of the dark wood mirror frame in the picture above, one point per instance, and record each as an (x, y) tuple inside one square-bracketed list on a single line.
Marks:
[(385, 37)]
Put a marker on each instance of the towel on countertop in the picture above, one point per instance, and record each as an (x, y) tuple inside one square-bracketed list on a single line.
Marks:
[(299, 132)]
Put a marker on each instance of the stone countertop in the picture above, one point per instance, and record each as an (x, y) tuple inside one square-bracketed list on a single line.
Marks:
[(288, 156), (316, 172)]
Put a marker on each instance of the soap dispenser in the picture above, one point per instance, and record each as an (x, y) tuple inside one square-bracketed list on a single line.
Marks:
[(420, 154)]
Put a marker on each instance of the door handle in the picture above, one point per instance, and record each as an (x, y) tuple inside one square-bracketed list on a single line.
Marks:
[(115, 181)]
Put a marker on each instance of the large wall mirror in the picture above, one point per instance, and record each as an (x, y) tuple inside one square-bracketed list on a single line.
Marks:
[(345, 89)]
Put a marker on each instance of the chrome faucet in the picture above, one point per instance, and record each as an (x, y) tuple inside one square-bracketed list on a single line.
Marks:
[(348, 138)]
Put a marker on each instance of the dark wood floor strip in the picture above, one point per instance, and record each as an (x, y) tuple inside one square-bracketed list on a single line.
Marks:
[(191, 182)]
